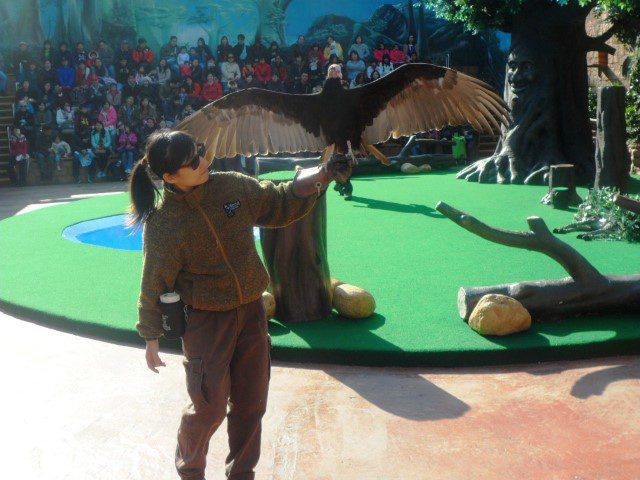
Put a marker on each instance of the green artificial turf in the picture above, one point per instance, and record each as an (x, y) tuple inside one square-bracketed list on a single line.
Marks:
[(388, 240)]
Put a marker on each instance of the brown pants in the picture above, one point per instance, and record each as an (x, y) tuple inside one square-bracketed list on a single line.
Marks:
[(227, 362)]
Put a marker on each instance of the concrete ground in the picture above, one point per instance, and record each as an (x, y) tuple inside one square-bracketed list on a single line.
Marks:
[(77, 408)]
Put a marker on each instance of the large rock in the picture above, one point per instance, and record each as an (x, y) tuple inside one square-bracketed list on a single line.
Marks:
[(353, 302), (334, 283), (269, 303), (499, 315)]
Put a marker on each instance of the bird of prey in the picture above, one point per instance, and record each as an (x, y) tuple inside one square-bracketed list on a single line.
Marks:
[(414, 98)]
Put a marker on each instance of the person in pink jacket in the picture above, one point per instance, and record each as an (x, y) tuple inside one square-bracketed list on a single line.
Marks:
[(126, 148), (109, 118)]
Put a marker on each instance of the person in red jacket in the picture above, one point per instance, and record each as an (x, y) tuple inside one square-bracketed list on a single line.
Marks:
[(19, 159), (143, 55), (211, 90), (380, 52), (193, 92), (262, 71), (397, 56), (278, 66)]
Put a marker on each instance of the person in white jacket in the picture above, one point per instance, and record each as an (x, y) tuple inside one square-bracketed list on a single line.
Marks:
[(65, 117), (229, 72)]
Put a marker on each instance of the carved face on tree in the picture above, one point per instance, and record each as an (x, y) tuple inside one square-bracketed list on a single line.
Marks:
[(521, 74)]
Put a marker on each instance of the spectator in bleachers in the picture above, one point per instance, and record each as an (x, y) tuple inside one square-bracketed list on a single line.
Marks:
[(397, 56), (409, 47), (92, 56), (95, 95), (249, 81), (147, 110), (302, 86), (299, 48), (100, 70), (247, 69), (60, 149), (360, 48), (105, 53), (354, 66), (25, 121), (66, 76), (63, 53), (333, 48), (230, 72), (275, 84), (149, 91), (375, 75), (148, 127), (82, 135), (361, 79), (274, 51), (101, 147), (47, 54), (19, 158), (371, 68), (211, 90), (27, 94), (295, 70), (143, 56), (257, 50), (122, 73), (164, 77), (85, 159), (44, 154), (47, 74), (21, 58), (212, 68), (130, 89), (169, 52), (196, 70), (187, 111), (414, 58), (385, 66), (174, 111), (61, 96), (114, 97), (193, 91), (43, 117), (224, 49), (48, 96), (185, 70), (380, 52), (80, 55), (126, 53), (183, 57), (127, 144), (31, 74), (81, 73), (109, 119), (278, 66), (203, 51), (241, 51), (262, 71), (315, 64)]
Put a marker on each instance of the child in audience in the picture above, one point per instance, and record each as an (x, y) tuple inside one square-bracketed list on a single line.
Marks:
[(60, 149)]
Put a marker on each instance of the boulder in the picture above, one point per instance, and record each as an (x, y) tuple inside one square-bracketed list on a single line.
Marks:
[(353, 302), (334, 283), (499, 315), (269, 303), (411, 168)]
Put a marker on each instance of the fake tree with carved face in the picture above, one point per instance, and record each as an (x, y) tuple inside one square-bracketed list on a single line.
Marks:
[(546, 81)]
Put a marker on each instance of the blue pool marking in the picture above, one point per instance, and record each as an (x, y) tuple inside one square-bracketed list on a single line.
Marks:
[(111, 232)]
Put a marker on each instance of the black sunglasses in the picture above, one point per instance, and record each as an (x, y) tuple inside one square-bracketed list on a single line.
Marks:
[(194, 163)]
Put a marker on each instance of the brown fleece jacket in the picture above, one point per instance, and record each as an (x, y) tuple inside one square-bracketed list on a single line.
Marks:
[(201, 244)]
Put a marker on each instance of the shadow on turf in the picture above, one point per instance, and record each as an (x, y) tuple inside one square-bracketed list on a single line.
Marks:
[(396, 207), (406, 394)]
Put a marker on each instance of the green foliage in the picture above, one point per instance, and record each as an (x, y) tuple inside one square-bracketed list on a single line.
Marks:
[(498, 14), (632, 111), (600, 204), (593, 103)]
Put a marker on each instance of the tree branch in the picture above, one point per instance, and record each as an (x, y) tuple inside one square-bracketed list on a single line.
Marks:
[(628, 204), (539, 239), (599, 43)]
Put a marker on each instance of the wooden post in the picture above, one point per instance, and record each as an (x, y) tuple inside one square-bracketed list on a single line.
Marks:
[(296, 259), (612, 157), (562, 175)]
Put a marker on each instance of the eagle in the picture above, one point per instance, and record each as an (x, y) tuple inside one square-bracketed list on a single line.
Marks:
[(414, 98)]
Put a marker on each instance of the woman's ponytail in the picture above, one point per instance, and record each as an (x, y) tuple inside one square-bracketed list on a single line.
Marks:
[(144, 194)]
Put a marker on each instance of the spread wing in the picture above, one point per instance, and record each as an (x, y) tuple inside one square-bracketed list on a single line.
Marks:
[(256, 121), (418, 97)]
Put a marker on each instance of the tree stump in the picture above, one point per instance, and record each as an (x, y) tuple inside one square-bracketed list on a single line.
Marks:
[(296, 259), (612, 157), (562, 175)]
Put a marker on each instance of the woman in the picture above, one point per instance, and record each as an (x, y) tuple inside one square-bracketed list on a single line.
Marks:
[(409, 48), (380, 52), (100, 146), (354, 66), (109, 118), (199, 243), (385, 67), (224, 49), (203, 51), (360, 48)]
